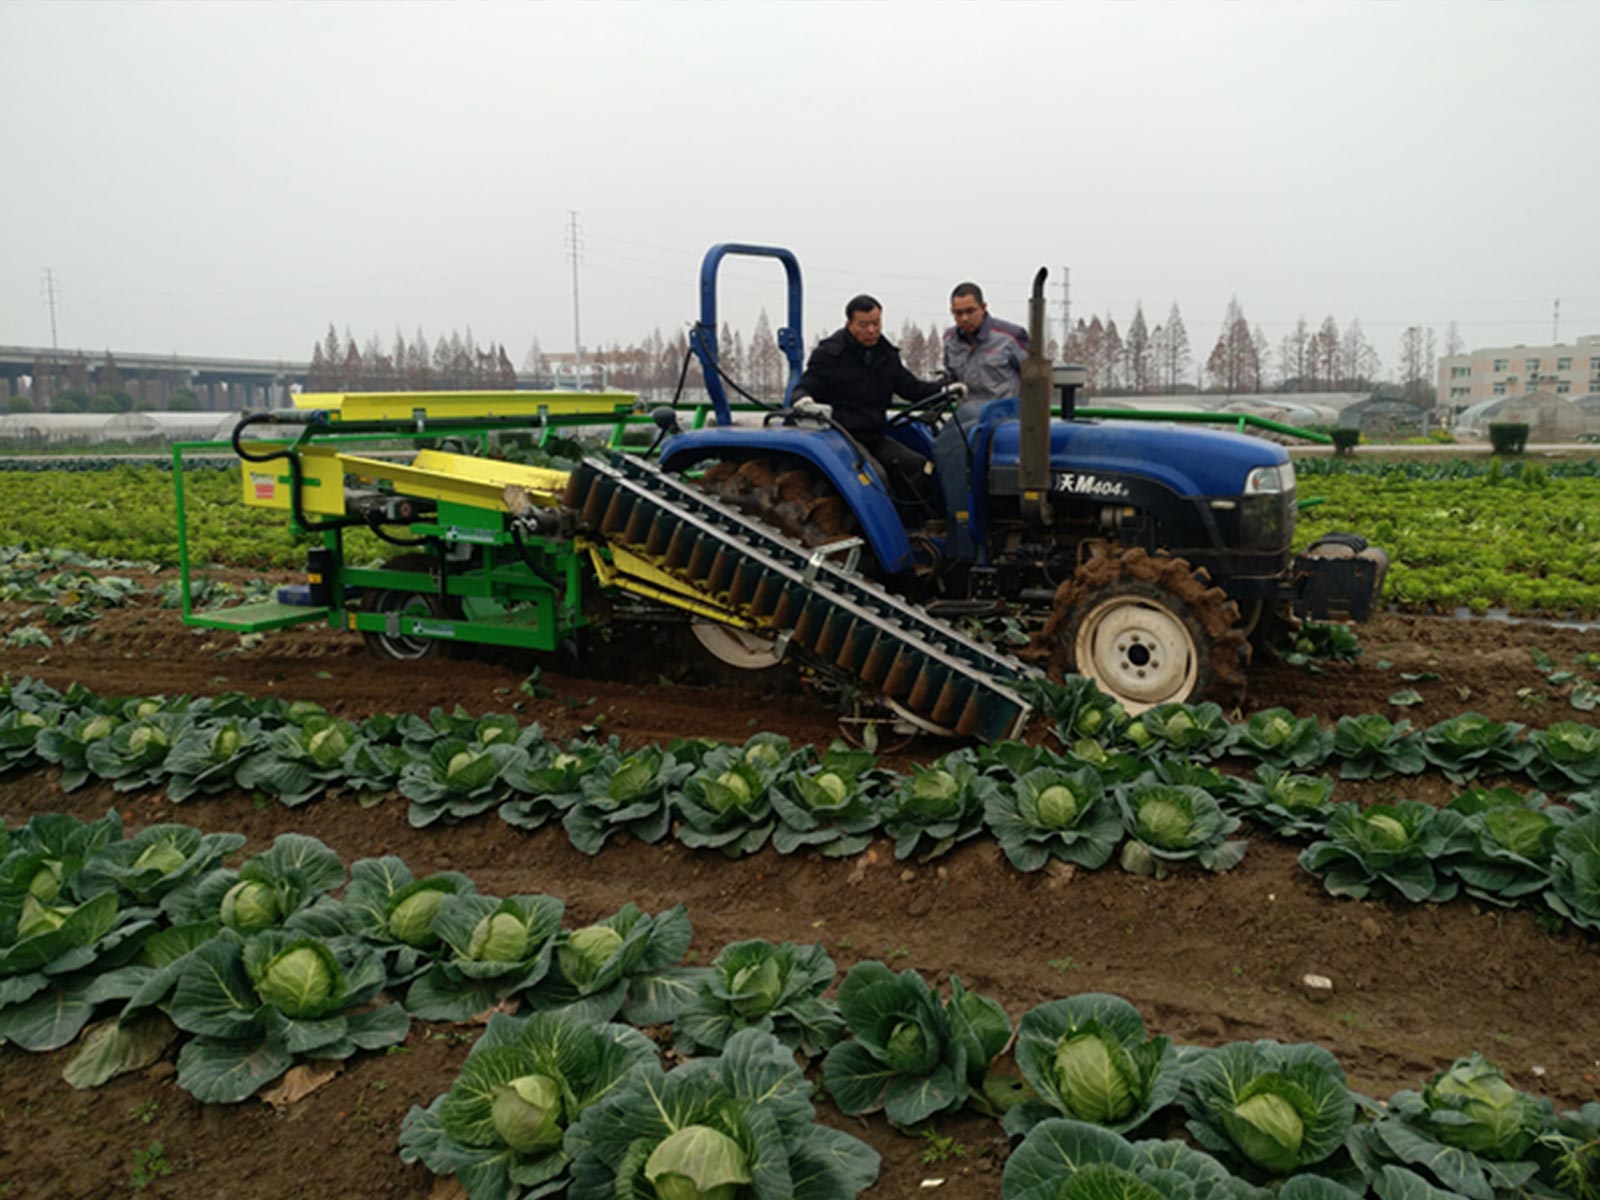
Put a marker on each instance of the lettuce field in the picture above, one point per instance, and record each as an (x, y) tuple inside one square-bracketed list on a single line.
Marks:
[(280, 918)]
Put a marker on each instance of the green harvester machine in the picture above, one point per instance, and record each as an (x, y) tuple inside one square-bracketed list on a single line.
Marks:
[(497, 553)]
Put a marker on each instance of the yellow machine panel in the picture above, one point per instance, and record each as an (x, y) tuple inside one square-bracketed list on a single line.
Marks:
[(266, 485), (459, 478), (442, 406)]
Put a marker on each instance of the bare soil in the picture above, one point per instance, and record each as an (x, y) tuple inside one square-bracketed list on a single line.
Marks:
[(1206, 959)]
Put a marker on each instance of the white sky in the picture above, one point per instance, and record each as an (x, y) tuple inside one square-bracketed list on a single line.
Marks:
[(229, 178)]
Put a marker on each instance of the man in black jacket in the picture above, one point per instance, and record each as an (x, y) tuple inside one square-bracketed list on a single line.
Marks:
[(858, 371)]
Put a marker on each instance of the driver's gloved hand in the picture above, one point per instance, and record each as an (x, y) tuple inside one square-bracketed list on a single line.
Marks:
[(958, 390)]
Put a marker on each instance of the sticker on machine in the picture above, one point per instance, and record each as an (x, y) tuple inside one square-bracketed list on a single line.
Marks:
[(266, 486), (1078, 483)]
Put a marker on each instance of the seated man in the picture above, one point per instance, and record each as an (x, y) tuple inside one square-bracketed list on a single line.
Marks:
[(857, 371)]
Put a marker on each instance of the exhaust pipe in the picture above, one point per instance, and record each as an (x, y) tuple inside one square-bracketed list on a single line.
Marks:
[(1033, 410)]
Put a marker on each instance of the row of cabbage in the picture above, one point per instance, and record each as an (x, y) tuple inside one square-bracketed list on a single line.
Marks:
[(1148, 800), (289, 957)]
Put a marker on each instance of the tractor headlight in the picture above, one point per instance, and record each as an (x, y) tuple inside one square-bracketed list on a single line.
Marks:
[(1264, 481)]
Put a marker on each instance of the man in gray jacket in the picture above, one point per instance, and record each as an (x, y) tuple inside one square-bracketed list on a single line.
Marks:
[(985, 353)]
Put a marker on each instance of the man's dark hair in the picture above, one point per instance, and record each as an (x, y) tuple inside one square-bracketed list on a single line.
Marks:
[(859, 304), (967, 289)]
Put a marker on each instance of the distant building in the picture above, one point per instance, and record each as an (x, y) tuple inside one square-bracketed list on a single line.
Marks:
[(1501, 371)]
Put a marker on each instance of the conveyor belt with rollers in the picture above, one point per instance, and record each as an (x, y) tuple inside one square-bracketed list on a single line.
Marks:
[(837, 617)]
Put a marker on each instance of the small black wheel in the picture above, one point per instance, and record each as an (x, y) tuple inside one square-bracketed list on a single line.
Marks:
[(403, 647)]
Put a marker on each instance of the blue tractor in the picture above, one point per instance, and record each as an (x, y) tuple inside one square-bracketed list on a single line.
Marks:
[(1148, 555)]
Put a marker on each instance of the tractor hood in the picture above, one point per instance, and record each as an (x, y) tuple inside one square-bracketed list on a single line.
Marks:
[(1192, 462)]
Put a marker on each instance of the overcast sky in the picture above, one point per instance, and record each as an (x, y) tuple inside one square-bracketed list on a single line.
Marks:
[(228, 178)]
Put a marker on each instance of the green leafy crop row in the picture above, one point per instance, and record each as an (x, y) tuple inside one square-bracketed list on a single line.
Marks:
[(288, 956), (1522, 540), (1138, 784)]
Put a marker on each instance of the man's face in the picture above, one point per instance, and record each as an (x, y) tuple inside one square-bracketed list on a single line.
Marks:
[(866, 327), (967, 312)]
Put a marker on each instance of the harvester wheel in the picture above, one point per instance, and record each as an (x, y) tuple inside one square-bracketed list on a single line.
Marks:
[(410, 604), (1147, 628)]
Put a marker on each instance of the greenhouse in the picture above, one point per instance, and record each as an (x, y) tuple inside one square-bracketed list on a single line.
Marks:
[(25, 431)]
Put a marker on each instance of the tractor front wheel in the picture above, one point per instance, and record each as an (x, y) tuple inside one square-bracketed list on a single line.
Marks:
[(400, 646), (1138, 646), (1148, 629)]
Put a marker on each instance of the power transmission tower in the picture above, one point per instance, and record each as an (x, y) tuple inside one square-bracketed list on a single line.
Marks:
[(574, 252), (50, 298), (1066, 309)]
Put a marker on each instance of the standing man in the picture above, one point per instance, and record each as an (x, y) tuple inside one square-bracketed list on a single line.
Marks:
[(858, 371), (982, 351), (986, 354)]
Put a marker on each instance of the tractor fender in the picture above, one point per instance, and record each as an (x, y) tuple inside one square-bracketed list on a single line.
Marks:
[(834, 458)]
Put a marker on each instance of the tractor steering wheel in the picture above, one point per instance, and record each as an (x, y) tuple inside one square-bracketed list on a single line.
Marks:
[(929, 409)]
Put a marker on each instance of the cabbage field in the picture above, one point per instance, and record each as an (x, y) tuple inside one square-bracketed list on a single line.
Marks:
[(277, 918)]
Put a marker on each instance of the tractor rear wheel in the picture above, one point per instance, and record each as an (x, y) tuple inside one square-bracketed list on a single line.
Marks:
[(399, 646), (1148, 629)]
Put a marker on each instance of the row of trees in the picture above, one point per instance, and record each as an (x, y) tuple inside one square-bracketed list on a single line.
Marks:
[(1158, 360), (454, 363), (1145, 360)]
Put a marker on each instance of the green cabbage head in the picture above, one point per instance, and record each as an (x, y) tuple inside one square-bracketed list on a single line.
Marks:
[(250, 905), (301, 981), (499, 937), (1268, 1129), (1499, 1121), (412, 919), (527, 1113), (46, 881), (1094, 1080), (935, 793), (835, 788), (585, 951), (1164, 821), (39, 918), (697, 1163), (161, 856), (1385, 832), (1058, 806), (759, 987)]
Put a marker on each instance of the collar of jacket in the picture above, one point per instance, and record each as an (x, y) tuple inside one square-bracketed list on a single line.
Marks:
[(847, 342)]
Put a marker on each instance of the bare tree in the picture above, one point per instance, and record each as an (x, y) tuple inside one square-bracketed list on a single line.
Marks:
[(1416, 364), (1111, 356), (1452, 340), (1359, 362), (1294, 355), (1263, 349), (765, 365), (1136, 352), (1176, 356), (1233, 365), (1325, 355)]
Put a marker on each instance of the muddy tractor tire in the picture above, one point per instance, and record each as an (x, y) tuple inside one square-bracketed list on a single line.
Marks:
[(789, 497), (1148, 629)]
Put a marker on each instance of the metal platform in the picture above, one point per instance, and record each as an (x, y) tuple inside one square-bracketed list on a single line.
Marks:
[(259, 617)]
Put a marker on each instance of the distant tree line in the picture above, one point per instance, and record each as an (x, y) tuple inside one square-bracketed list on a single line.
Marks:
[(1143, 360), (1159, 360), (455, 363)]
